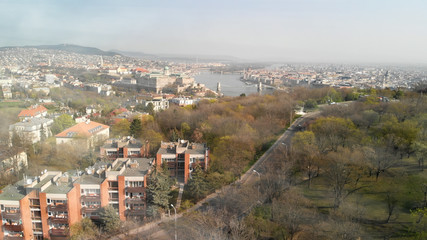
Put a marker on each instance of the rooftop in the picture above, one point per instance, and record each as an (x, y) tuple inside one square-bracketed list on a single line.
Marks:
[(13, 192), (32, 111), (84, 129), (182, 146), (61, 188), (31, 122), (130, 142), (90, 179), (138, 167)]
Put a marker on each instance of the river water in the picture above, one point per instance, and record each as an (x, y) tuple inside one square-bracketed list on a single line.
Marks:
[(230, 83)]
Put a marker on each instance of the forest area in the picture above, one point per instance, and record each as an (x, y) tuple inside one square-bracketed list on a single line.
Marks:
[(356, 171)]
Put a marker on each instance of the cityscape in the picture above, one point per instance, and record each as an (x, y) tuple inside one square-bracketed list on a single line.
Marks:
[(227, 120)]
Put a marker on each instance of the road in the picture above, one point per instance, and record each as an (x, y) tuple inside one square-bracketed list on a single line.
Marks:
[(249, 178)]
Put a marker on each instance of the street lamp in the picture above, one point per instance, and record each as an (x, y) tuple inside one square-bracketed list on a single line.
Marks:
[(175, 221), (259, 176)]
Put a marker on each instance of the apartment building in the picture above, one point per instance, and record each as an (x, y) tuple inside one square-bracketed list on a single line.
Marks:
[(45, 206), (32, 130), (124, 148), (181, 157), (39, 207)]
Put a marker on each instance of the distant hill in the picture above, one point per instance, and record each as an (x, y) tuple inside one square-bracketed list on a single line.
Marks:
[(180, 57), (71, 48)]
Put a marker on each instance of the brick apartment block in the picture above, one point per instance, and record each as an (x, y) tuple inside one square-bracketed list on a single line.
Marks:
[(181, 157), (45, 206)]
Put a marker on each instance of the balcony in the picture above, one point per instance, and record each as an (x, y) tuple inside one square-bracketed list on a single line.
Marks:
[(13, 228), (58, 234), (35, 205), (135, 189), (91, 198), (135, 200), (14, 237), (135, 212), (35, 230), (11, 215), (36, 217), (59, 220), (90, 209), (57, 208)]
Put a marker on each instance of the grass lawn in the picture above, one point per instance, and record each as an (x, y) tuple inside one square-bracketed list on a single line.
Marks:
[(368, 205), (9, 116)]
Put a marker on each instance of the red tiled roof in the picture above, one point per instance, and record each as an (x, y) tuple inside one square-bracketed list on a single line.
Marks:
[(32, 111), (141, 70), (119, 110), (85, 129)]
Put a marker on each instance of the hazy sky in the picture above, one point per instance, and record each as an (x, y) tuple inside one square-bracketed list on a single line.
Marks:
[(363, 31)]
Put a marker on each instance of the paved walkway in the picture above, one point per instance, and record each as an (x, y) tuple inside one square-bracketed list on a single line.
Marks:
[(178, 200)]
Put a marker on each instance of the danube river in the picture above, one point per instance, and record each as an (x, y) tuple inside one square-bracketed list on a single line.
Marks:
[(230, 83)]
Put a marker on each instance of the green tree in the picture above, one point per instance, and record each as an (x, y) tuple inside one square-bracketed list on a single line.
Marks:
[(419, 225), (310, 104), (159, 188), (420, 149), (149, 109), (109, 219), (198, 185), (61, 123), (136, 127), (185, 130)]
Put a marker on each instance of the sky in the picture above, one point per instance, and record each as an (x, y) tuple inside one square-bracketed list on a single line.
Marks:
[(332, 31)]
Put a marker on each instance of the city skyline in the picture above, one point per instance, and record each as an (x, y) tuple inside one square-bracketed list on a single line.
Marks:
[(287, 31)]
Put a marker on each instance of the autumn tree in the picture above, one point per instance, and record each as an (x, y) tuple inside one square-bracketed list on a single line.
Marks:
[(232, 153), (291, 212), (84, 230), (121, 128), (307, 153), (333, 132), (339, 171), (379, 160)]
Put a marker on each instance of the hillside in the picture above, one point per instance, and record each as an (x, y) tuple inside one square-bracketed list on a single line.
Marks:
[(69, 48)]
